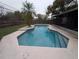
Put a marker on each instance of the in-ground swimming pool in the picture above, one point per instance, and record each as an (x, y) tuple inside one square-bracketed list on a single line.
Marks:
[(42, 36)]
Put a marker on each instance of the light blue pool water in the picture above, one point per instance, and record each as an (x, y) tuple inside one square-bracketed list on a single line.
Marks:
[(42, 36)]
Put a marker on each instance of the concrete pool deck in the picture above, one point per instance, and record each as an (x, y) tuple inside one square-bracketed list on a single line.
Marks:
[(9, 48)]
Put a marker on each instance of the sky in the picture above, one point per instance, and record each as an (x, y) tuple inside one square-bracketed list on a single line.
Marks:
[(40, 6)]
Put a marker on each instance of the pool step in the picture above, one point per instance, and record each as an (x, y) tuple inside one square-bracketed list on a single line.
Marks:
[(63, 44), (58, 44), (66, 40)]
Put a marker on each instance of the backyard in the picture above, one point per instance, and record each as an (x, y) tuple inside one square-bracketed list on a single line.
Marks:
[(38, 29)]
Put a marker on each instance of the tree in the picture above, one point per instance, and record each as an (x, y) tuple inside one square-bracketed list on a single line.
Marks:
[(39, 17), (18, 15), (49, 9), (27, 12), (52, 9), (59, 4)]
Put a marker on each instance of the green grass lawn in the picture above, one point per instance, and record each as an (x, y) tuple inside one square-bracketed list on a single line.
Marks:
[(6, 30)]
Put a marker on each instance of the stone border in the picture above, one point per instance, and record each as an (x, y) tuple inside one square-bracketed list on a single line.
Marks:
[(10, 49), (65, 34)]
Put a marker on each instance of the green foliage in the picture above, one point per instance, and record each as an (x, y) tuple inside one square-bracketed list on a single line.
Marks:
[(27, 6), (59, 4), (10, 14), (40, 17), (29, 15), (27, 12), (18, 15), (56, 4)]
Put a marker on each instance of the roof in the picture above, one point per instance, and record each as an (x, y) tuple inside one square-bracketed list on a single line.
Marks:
[(67, 11)]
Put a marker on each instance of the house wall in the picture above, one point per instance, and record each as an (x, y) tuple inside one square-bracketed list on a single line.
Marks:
[(68, 20)]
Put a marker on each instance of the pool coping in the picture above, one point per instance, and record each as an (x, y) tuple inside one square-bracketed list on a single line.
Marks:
[(37, 52)]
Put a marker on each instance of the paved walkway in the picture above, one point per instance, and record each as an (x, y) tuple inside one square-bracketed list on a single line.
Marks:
[(9, 48)]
